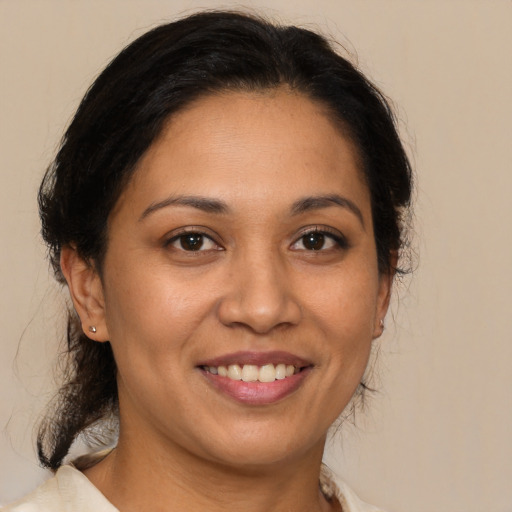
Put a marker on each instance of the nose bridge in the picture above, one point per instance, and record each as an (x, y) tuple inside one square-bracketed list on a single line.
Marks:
[(260, 294)]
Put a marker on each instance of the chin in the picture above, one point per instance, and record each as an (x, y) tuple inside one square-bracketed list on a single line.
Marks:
[(257, 450)]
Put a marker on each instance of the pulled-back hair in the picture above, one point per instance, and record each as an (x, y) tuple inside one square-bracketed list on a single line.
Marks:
[(125, 110)]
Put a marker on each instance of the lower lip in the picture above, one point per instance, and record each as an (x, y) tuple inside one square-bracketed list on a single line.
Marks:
[(257, 393)]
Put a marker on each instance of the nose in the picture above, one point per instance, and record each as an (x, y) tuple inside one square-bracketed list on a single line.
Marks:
[(259, 296)]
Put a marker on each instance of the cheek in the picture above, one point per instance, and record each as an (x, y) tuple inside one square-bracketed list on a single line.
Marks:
[(150, 317), (150, 323), (345, 314), (346, 303), (144, 293)]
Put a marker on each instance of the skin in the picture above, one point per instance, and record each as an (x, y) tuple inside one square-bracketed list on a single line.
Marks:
[(254, 285)]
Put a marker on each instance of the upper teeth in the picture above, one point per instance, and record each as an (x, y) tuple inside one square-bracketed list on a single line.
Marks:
[(253, 373)]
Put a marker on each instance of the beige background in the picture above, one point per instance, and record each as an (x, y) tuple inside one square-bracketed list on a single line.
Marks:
[(438, 435)]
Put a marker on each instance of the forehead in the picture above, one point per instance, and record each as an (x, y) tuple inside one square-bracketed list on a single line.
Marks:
[(267, 145)]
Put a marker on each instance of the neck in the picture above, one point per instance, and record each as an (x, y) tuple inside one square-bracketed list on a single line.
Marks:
[(139, 476)]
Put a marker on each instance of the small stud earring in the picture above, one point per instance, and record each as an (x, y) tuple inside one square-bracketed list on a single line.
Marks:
[(381, 323), (92, 329)]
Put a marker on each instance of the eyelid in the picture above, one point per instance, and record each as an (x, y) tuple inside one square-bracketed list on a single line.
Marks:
[(175, 234), (333, 233)]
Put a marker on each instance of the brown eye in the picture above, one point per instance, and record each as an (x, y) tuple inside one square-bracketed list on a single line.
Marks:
[(319, 241), (191, 241), (313, 241)]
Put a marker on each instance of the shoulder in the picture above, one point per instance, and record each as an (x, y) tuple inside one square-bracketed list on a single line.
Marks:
[(68, 491), (350, 502), (336, 489)]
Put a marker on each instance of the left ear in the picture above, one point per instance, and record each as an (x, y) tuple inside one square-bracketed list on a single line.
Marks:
[(384, 297)]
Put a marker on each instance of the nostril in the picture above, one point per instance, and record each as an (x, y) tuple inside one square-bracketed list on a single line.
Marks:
[(259, 312)]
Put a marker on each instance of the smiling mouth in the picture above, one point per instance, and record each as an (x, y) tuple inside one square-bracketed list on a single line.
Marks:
[(256, 378), (254, 373)]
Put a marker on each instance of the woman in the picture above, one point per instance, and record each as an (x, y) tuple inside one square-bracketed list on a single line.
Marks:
[(226, 210)]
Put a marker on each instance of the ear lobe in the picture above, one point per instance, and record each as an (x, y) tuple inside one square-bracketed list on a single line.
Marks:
[(86, 292)]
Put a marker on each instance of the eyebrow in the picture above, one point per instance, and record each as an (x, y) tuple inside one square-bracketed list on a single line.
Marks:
[(307, 204), (205, 204), (217, 206)]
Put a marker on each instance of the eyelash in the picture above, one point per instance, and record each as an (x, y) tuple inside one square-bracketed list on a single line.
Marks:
[(338, 238), (335, 236), (190, 232)]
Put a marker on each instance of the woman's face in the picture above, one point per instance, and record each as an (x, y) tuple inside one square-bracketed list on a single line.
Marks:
[(243, 245)]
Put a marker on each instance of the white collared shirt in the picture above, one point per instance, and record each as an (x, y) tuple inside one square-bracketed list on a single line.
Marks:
[(71, 491)]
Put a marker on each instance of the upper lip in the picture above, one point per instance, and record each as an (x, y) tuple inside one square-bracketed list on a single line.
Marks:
[(257, 358)]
